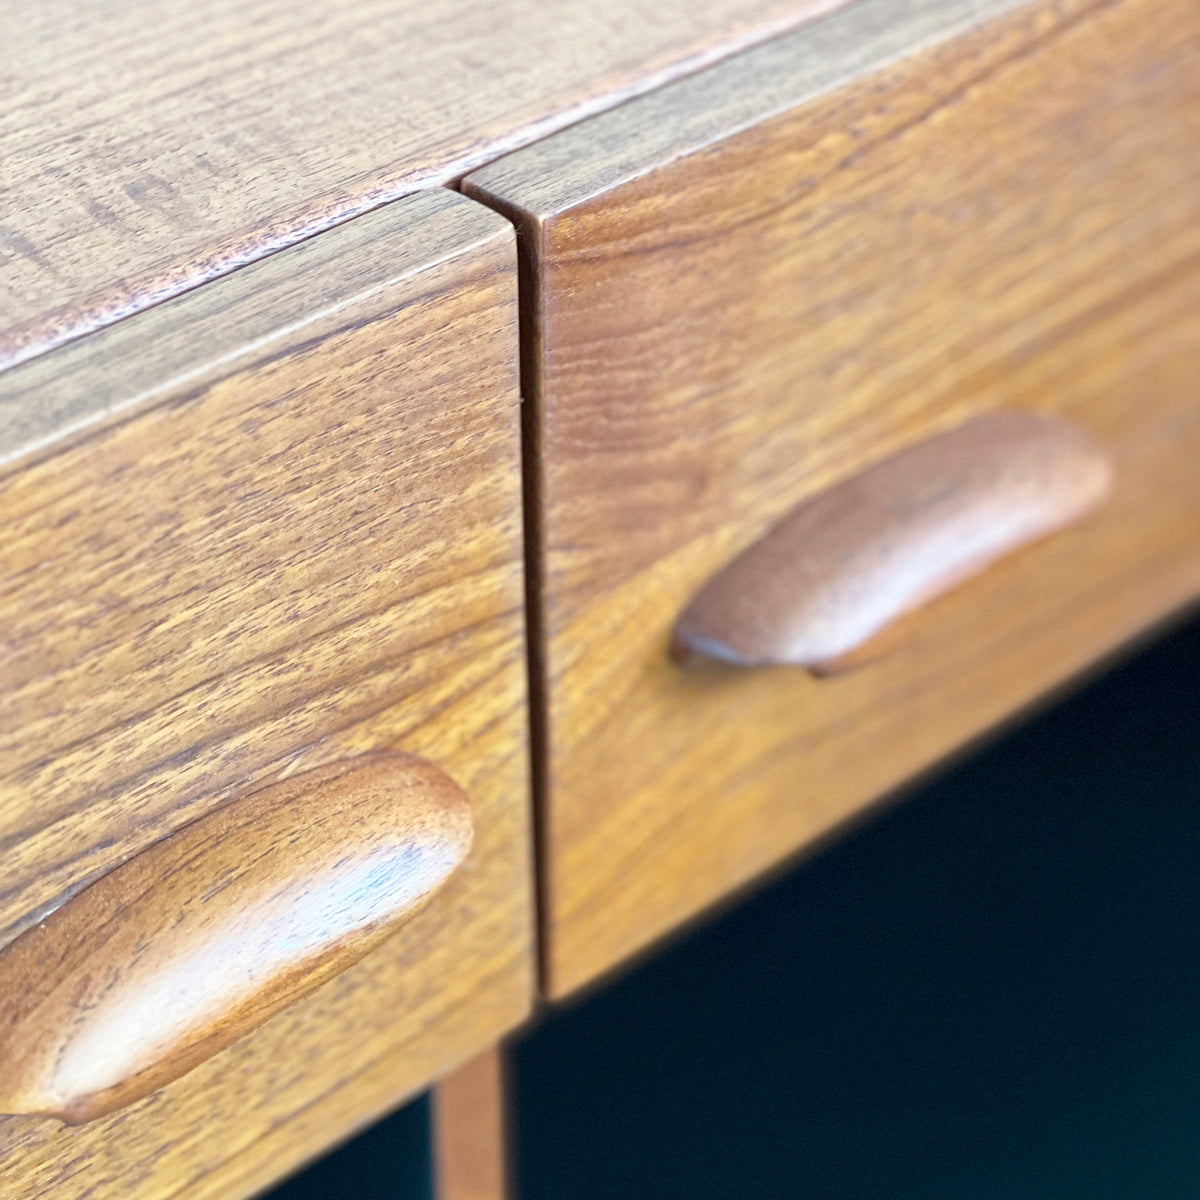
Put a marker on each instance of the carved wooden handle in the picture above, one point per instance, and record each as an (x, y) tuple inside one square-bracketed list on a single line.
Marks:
[(197, 940), (825, 586)]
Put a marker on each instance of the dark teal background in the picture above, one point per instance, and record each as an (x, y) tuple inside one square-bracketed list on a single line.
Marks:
[(391, 1161), (992, 992)]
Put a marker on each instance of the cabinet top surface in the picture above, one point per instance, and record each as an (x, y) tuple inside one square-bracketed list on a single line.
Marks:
[(150, 145)]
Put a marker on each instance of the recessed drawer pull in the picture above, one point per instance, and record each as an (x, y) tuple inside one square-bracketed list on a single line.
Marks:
[(179, 951), (824, 588)]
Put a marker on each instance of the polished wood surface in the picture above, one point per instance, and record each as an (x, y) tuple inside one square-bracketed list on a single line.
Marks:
[(184, 948), (827, 585), (148, 147), (470, 1130), (738, 309), (300, 545), (320, 288)]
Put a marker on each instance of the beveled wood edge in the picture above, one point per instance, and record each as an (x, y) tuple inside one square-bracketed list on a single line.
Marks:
[(620, 145), (361, 194), (345, 276)]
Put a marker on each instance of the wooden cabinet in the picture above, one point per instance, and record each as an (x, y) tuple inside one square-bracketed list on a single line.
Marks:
[(812, 316), (263, 530), (761, 282)]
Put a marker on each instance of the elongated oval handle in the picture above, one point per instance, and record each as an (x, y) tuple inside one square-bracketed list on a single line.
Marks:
[(187, 946), (823, 587)]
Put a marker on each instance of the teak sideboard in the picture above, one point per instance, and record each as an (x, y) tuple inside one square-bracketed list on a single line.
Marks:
[(482, 484)]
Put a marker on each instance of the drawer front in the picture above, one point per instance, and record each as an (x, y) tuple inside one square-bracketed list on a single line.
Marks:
[(755, 284), (285, 534)]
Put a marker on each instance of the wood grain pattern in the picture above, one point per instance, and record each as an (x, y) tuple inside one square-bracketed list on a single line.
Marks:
[(184, 948), (729, 323), (826, 586), (318, 287), (151, 146), (303, 545), (470, 1130)]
